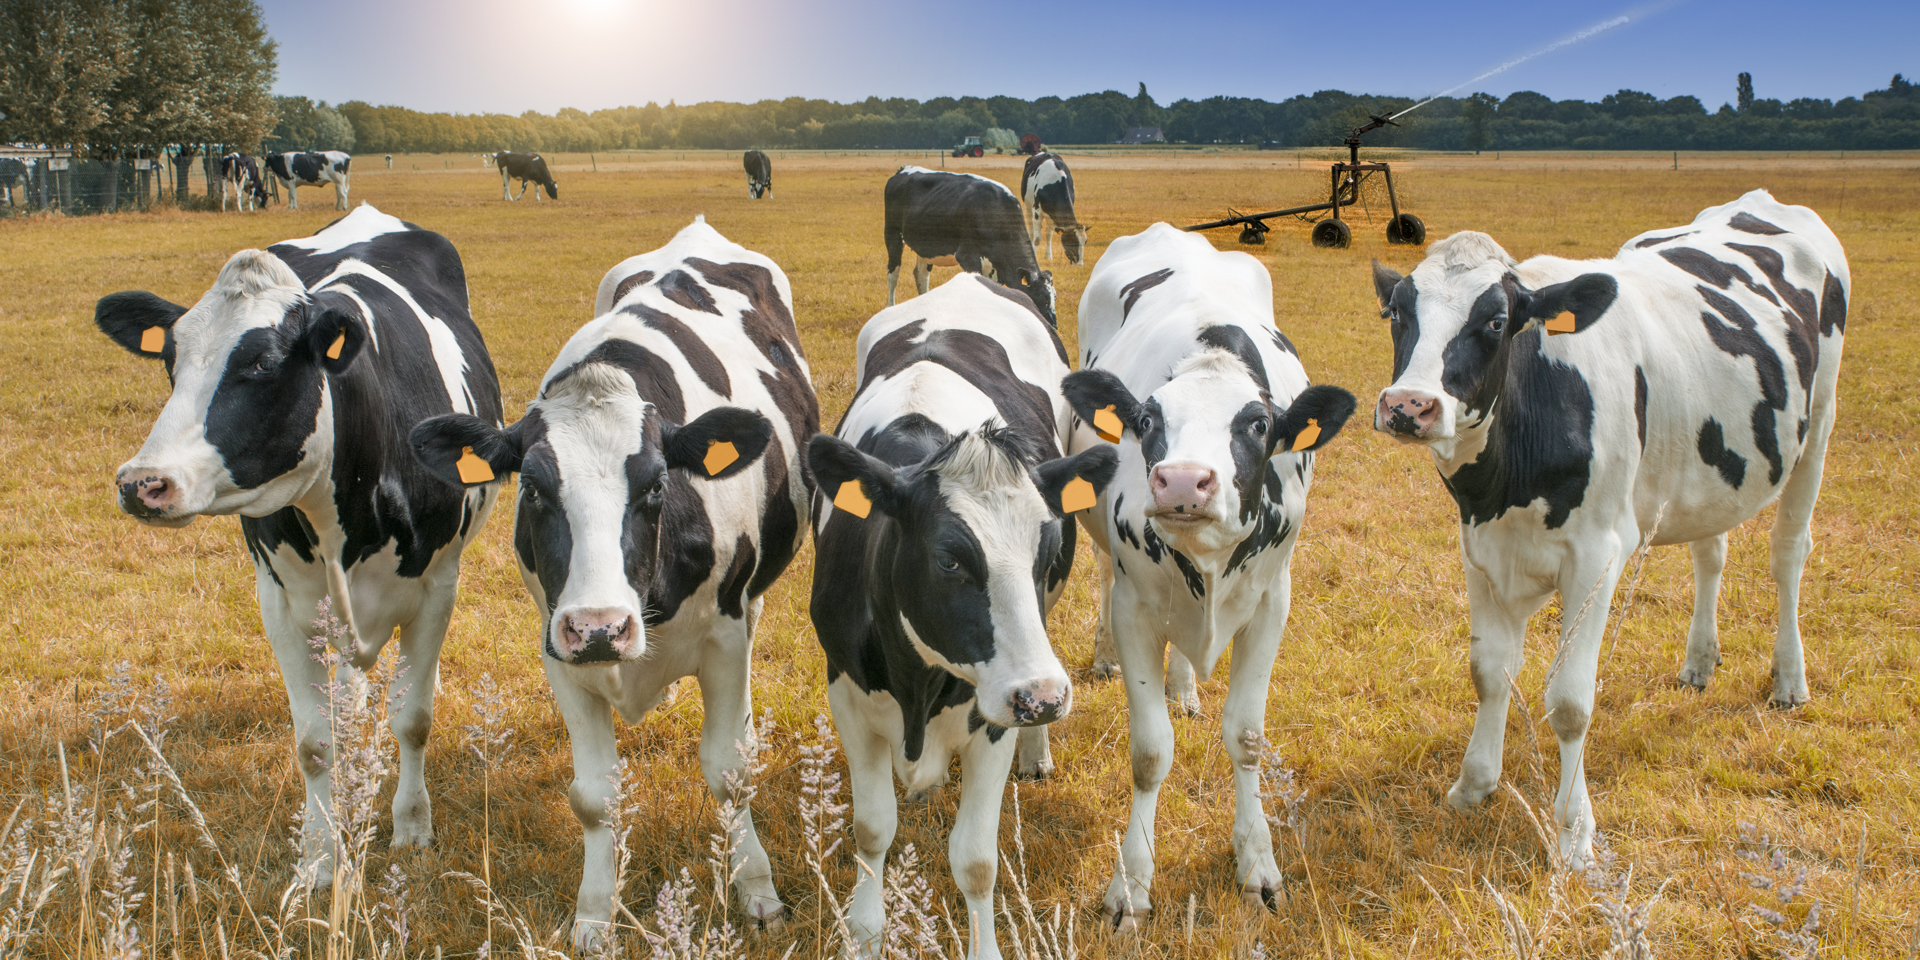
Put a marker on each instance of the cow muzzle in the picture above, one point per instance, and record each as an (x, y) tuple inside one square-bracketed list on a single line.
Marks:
[(1038, 702), (151, 497), (597, 635), (1409, 415), (1183, 492)]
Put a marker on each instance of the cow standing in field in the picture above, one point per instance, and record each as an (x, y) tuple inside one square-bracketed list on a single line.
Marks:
[(240, 179), (296, 170), (1046, 186), (12, 173), (759, 174), (295, 381), (1579, 409), (945, 532), (524, 167), (661, 494), (1183, 368), (959, 219)]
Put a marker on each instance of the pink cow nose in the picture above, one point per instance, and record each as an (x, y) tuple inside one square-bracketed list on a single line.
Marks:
[(146, 494), (1042, 701), (1406, 412), (597, 635), (1183, 489)]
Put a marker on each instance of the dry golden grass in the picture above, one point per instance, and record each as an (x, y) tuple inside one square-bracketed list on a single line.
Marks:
[(1370, 701)]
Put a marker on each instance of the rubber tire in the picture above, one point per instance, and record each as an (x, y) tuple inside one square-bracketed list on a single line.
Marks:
[(1332, 233), (979, 152), (1406, 229)]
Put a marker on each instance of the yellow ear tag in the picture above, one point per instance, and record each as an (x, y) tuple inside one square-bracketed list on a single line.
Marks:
[(853, 499), (1308, 437), (720, 455), (1077, 495), (1560, 324), (1106, 423), (153, 340), (333, 352), (472, 468)]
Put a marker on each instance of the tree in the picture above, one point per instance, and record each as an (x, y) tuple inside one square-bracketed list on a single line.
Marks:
[(1476, 111), (59, 63), (1743, 92)]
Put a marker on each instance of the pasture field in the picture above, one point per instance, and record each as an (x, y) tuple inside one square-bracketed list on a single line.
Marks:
[(1371, 702)]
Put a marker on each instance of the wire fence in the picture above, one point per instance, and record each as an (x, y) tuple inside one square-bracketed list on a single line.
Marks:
[(47, 181)]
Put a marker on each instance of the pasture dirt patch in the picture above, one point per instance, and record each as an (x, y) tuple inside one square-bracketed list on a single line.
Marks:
[(1371, 702)]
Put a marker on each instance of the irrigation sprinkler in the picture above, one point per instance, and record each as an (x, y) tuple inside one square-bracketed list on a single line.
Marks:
[(1346, 179)]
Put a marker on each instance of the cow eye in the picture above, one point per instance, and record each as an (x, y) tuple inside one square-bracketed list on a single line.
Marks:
[(1497, 324), (1146, 424), (656, 493), (948, 563), (1258, 428), (531, 494)]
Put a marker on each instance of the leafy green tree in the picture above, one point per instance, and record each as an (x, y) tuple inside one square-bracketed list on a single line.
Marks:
[(1477, 112), (1743, 92)]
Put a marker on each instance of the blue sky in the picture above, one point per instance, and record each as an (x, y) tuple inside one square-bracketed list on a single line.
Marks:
[(513, 55)]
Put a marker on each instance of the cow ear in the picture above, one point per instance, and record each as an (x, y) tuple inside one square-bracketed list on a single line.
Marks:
[(465, 450), (717, 444), (335, 330), (140, 322), (1071, 484), (1384, 280), (1100, 400), (1573, 306), (1312, 421), (851, 480)]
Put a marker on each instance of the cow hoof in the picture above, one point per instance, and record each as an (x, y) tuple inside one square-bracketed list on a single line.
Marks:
[(1260, 895), (1104, 670), (1694, 678), (589, 936), (1130, 921), (772, 922), (1038, 771), (1464, 798), (921, 796), (1186, 701), (1786, 700)]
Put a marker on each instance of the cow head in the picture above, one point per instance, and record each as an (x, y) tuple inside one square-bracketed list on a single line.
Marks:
[(1205, 436), (1038, 286), (970, 534), (553, 189), (1456, 321), (1073, 240), (597, 468), (248, 428), (757, 188)]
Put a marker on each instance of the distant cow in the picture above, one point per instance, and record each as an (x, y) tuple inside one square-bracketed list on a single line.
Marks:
[(240, 179), (1579, 408), (942, 542), (1183, 368), (295, 381), (12, 173), (1047, 189), (661, 494), (524, 167), (959, 219), (759, 174), (296, 170)]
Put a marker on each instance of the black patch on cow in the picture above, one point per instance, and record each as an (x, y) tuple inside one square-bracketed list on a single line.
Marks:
[(705, 363), (976, 358), (1656, 241), (1270, 529), (1539, 447), (1249, 439), (542, 535), (769, 325), (1130, 293), (779, 520), (1156, 549), (1833, 307), (652, 375), (1280, 340), (1705, 266), (685, 559), (1733, 331), (1802, 312), (1015, 296), (1153, 433), (266, 405), (1640, 404), (1403, 306), (1123, 526), (1472, 365), (1714, 452), (732, 596), (1766, 439), (625, 286), (680, 287), (1234, 340), (1748, 223), (266, 535)]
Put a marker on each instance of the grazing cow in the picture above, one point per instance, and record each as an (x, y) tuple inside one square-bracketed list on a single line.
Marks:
[(1580, 409), (1182, 366), (661, 493), (240, 177), (942, 542), (759, 174), (524, 167), (296, 170), (12, 173), (1046, 187), (295, 381), (959, 219)]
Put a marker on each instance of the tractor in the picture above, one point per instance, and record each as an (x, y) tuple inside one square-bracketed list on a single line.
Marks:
[(969, 147)]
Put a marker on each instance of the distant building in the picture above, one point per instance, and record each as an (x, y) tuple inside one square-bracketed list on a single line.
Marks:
[(1142, 135)]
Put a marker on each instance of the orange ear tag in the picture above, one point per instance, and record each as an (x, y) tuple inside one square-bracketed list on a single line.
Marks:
[(473, 469), (853, 499), (333, 352), (1106, 423), (153, 340), (1560, 324), (1077, 495), (720, 455), (1308, 437)]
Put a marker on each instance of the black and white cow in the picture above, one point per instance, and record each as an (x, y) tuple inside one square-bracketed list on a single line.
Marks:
[(240, 179), (1577, 409), (661, 494), (959, 219), (296, 170), (12, 173), (1216, 422), (934, 575), (759, 173), (524, 167), (295, 381), (1046, 187)]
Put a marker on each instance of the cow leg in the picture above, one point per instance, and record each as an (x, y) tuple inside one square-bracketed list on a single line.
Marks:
[(410, 712), (506, 193), (893, 282), (973, 846), (1033, 230), (306, 682), (1792, 541), (1494, 657), (1150, 736), (589, 720), (293, 195), (1588, 593), (727, 697), (876, 814), (1183, 690), (1245, 716), (922, 277), (1106, 663), (1703, 636)]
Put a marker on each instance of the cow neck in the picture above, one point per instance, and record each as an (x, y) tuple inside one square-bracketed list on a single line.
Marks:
[(1207, 571)]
